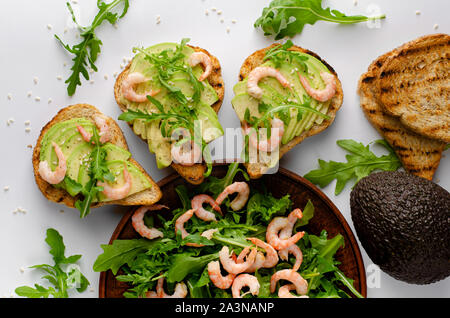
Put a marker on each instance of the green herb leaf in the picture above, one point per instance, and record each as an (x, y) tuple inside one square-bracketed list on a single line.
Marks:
[(288, 17), (360, 163), (183, 264)]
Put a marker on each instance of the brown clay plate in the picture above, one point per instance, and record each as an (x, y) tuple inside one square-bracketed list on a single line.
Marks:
[(326, 216)]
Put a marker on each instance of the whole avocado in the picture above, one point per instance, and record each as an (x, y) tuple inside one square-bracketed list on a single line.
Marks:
[(403, 223)]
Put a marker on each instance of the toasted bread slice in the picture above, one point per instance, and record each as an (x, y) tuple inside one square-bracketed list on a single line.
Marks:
[(146, 197), (419, 155), (193, 174), (256, 170), (414, 85)]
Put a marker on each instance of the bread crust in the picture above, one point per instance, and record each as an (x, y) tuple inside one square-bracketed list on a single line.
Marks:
[(146, 197), (193, 174), (256, 170), (413, 85)]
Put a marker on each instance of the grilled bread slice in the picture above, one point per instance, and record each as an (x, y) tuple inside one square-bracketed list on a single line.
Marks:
[(414, 85), (193, 174), (419, 155), (256, 170), (146, 197)]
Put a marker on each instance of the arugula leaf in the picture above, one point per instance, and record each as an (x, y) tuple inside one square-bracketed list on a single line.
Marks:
[(86, 52), (280, 54), (183, 264), (62, 278), (360, 163), (215, 186), (264, 207), (288, 17)]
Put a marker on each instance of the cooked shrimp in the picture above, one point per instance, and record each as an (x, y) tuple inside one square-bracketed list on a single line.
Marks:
[(257, 264), (137, 220), (209, 233), (259, 73), (284, 292), (321, 95), (245, 280), (118, 193), (57, 176), (128, 88), (294, 250), (186, 157), (100, 122), (231, 266), (239, 202), (180, 290), (201, 58), (272, 237), (197, 204), (271, 258), (301, 285), (179, 226), (151, 294), (266, 145), (220, 281), (292, 219)]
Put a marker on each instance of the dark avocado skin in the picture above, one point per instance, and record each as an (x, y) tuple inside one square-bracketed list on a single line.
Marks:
[(403, 223)]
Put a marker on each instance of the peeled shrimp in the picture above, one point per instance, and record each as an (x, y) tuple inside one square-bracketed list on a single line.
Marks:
[(186, 157), (181, 290), (232, 266), (257, 264), (239, 202), (272, 237), (267, 145), (209, 233), (128, 88), (57, 176), (201, 58), (197, 204), (118, 193), (284, 292), (294, 250), (301, 285), (179, 226), (245, 280), (105, 133), (222, 282), (292, 218), (321, 95), (271, 258), (259, 73), (137, 220)]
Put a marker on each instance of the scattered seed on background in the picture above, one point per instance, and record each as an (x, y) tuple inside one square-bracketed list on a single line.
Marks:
[(436, 26), (37, 98), (9, 96)]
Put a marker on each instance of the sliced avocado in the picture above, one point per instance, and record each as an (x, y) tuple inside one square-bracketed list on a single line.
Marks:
[(158, 145), (209, 95), (114, 152)]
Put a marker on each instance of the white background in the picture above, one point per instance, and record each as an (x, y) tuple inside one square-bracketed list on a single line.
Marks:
[(28, 49)]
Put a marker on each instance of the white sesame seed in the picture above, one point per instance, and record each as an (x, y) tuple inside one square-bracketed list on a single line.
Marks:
[(92, 290), (219, 12), (9, 96), (91, 70), (234, 21), (355, 2), (228, 29), (61, 211), (49, 26), (418, 12), (50, 100), (115, 74), (27, 123), (30, 146), (436, 26), (115, 25), (214, 9), (122, 66), (29, 93), (206, 12), (37, 98), (105, 77), (91, 81), (65, 30), (28, 129), (36, 80), (65, 64), (74, 1), (222, 20), (6, 188), (22, 269), (59, 77)]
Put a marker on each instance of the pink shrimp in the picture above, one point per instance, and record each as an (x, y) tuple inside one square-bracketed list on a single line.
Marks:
[(239, 202), (292, 218), (245, 280), (128, 88), (301, 285), (259, 73), (197, 204), (220, 281), (271, 258), (321, 95), (272, 237), (137, 221), (285, 292), (179, 226), (186, 154), (266, 145), (117, 193), (57, 176), (232, 266), (201, 58), (102, 125), (294, 250), (180, 290)]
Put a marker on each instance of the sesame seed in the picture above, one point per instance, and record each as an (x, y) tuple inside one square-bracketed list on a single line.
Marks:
[(228, 29), (92, 81), (418, 12), (115, 74), (22, 269), (50, 100), (234, 21), (355, 2), (214, 9), (27, 129), (206, 12), (6, 188), (219, 12), (61, 211), (9, 96), (122, 66), (105, 77), (115, 25), (49, 26), (65, 64), (35, 80), (37, 98), (222, 20), (91, 70), (74, 1), (65, 30), (29, 93), (436, 26), (59, 77), (92, 290), (30, 146), (27, 123)]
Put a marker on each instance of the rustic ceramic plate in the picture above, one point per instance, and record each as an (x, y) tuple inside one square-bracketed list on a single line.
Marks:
[(326, 216)]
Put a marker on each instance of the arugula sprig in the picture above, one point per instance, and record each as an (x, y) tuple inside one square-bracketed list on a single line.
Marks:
[(360, 163), (63, 275), (288, 17), (281, 54), (86, 52)]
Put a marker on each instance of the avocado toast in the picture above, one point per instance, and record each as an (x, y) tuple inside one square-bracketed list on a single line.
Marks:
[(178, 93), (307, 116), (63, 130)]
